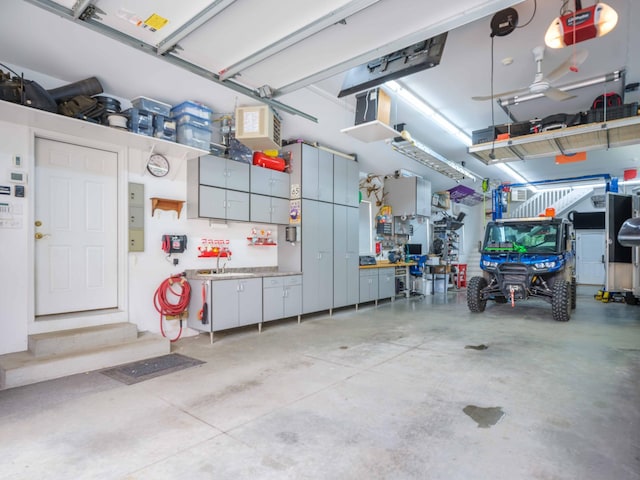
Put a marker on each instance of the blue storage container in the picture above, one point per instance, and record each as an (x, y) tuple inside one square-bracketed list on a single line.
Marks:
[(164, 127), (192, 120), (194, 136), (192, 108), (151, 105), (139, 121)]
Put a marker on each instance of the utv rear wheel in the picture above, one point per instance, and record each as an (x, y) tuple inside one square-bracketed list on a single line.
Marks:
[(475, 302), (561, 300), (574, 291)]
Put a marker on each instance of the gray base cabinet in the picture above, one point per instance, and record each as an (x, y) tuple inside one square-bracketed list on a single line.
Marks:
[(235, 303), (281, 297), (368, 285), (230, 303), (386, 282)]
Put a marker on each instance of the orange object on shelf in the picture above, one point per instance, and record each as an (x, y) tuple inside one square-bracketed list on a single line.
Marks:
[(550, 212), (263, 160)]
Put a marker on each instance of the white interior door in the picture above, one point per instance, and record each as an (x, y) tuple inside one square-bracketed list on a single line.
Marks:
[(75, 193), (590, 250)]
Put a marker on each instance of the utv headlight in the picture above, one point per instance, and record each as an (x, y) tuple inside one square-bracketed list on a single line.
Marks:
[(542, 265), (489, 264)]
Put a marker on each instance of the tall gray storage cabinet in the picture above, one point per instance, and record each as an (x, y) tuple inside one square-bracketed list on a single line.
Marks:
[(317, 256), (328, 250), (345, 255)]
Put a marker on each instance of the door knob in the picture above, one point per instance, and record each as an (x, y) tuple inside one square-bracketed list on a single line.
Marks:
[(40, 236)]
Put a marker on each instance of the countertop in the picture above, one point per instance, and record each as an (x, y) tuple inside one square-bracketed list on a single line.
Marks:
[(237, 273)]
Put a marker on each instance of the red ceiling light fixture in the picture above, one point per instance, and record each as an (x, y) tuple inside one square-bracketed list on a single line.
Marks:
[(580, 25)]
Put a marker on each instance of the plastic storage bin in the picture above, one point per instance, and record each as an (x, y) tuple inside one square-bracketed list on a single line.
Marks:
[(151, 105), (140, 121), (164, 128), (192, 108), (194, 136), (192, 120)]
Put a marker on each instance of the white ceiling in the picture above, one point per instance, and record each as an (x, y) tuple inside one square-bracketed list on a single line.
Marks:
[(307, 75)]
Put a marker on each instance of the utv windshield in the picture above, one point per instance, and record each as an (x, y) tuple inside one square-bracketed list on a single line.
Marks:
[(521, 238)]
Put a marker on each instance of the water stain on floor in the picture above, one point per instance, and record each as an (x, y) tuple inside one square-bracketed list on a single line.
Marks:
[(482, 346), (485, 417)]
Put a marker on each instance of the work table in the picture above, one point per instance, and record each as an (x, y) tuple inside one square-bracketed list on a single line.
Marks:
[(387, 264)]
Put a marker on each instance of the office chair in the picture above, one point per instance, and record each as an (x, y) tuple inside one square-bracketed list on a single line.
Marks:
[(417, 275)]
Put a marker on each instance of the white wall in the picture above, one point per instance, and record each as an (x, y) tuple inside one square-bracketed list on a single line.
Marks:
[(149, 268), (16, 263)]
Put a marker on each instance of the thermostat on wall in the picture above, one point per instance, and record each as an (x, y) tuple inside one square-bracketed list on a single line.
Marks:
[(17, 177)]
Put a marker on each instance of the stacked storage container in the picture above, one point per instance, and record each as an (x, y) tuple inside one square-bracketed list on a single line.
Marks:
[(193, 121), (160, 124)]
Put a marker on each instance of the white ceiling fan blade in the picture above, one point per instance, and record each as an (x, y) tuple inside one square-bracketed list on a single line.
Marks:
[(557, 94), (565, 67), (511, 93)]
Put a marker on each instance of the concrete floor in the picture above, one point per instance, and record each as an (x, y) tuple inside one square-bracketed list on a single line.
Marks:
[(377, 393)]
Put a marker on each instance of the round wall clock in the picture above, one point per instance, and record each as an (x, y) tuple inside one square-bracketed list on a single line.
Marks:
[(158, 165)]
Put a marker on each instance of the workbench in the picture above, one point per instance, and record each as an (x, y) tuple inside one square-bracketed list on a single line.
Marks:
[(402, 270)]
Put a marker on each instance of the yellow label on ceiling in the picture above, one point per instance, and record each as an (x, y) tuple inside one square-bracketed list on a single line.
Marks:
[(155, 21)]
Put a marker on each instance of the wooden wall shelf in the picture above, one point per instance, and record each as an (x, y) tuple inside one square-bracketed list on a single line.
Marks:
[(166, 204)]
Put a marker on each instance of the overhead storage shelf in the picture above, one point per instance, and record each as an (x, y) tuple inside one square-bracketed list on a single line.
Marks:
[(581, 138), (32, 117)]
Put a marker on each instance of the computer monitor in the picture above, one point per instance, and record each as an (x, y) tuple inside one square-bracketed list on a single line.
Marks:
[(414, 248)]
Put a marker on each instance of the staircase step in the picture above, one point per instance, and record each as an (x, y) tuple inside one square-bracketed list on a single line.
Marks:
[(24, 368), (80, 339)]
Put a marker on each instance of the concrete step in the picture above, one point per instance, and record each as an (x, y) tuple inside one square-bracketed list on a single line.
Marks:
[(80, 339), (24, 368)]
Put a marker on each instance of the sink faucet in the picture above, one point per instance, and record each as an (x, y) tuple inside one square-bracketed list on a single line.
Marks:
[(227, 254)]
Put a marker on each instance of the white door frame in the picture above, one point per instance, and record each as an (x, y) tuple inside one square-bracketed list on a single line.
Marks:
[(78, 320)]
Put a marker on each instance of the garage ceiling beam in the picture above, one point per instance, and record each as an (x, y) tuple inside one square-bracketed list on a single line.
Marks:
[(319, 24), (193, 24), (96, 26)]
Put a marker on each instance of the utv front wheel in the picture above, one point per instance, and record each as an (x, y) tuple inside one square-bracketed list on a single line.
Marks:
[(561, 300), (475, 302)]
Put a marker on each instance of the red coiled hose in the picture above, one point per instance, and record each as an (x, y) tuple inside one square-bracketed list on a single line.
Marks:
[(163, 303)]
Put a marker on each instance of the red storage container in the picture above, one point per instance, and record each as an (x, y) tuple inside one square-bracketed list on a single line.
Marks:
[(274, 163)]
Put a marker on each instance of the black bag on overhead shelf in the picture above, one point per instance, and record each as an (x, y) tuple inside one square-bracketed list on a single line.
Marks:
[(81, 106)]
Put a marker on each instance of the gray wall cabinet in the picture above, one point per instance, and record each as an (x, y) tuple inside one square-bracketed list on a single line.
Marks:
[(265, 181), (266, 209), (346, 179), (312, 171), (408, 196)]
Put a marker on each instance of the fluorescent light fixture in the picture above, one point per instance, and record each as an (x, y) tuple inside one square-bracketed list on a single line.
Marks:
[(426, 156), (584, 24), (428, 111), (511, 172)]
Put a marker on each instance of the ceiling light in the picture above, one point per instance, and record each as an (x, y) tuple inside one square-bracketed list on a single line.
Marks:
[(428, 111), (511, 172), (424, 155), (581, 25)]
